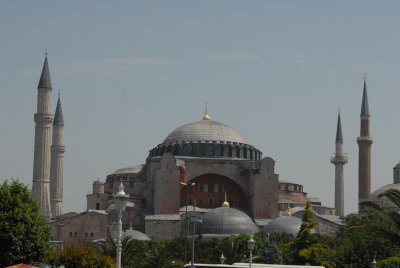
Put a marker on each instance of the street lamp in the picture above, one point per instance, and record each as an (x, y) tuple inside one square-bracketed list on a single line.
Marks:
[(373, 264), (120, 199), (195, 220), (222, 258), (191, 184), (250, 246)]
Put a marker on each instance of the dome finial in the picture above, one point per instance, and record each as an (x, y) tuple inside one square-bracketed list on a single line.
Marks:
[(226, 203), (206, 116)]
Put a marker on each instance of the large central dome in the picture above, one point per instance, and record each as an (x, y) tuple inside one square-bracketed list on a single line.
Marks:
[(205, 130), (206, 138)]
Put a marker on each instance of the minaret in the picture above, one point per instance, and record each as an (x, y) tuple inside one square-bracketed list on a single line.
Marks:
[(339, 160), (57, 162), (41, 162), (364, 149)]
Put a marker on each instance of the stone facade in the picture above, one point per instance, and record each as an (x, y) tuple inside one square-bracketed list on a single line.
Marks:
[(79, 229)]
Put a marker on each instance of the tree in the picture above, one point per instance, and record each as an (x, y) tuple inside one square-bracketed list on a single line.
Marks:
[(360, 240), (306, 247), (24, 234), (271, 253), (80, 257)]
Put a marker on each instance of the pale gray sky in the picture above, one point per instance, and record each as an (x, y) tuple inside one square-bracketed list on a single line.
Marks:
[(130, 72)]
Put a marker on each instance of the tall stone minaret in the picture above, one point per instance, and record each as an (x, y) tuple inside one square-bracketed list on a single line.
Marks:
[(339, 160), (364, 149), (57, 162), (41, 162)]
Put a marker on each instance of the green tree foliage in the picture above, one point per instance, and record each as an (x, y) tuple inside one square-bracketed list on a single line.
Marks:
[(391, 262), (271, 253), (390, 226), (375, 232), (24, 234), (80, 257), (306, 248)]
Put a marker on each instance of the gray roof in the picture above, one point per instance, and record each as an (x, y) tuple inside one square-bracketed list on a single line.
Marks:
[(227, 221), (45, 81), (285, 224), (364, 105), (58, 117), (205, 130), (134, 234), (339, 136), (129, 170)]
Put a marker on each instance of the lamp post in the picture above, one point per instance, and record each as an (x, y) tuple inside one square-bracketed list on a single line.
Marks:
[(120, 199), (250, 246), (222, 258), (373, 264), (195, 220), (191, 184)]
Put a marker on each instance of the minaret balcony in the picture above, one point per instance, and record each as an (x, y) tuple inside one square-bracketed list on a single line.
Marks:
[(364, 139), (339, 159)]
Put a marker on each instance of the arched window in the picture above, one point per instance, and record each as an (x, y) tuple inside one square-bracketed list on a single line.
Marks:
[(211, 203), (190, 201), (200, 202), (97, 206)]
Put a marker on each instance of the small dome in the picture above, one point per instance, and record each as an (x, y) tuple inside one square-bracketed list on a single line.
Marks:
[(134, 234), (98, 181), (205, 130), (227, 221), (383, 201), (285, 224)]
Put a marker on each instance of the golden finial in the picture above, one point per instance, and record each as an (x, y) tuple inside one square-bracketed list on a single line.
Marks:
[(226, 203), (206, 116), (365, 77), (45, 52)]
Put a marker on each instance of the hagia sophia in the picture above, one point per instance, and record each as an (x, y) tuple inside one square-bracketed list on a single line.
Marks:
[(203, 168)]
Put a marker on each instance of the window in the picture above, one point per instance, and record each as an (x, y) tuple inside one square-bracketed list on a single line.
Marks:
[(203, 187), (97, 206), (190, 201), (210, 203), (220, 187), (200, 202), (210, 186)]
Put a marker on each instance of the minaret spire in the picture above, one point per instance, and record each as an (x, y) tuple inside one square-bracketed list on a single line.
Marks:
[(57, 162), (364, 149), (364, 104), (42, 155), (339, 160)]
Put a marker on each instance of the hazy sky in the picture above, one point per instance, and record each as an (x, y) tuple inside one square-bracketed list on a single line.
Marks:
[(130, 72)]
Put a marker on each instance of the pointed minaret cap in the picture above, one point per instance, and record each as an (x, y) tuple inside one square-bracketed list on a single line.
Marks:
[(226, 203), (206, 116), (45, 81), (339, 136), (58, 117), (364, 105)]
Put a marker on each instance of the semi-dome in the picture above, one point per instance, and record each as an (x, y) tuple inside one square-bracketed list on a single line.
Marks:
[(285, 224), (206, 138), (225, 221)]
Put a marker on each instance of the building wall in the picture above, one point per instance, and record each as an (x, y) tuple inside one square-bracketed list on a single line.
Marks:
[(80, 229), (264, 191)]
